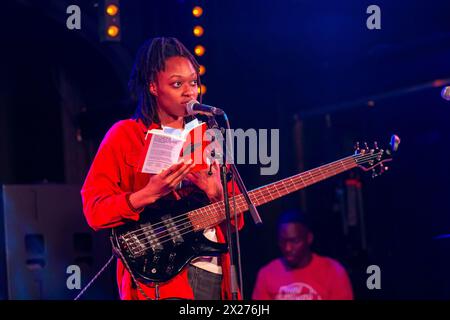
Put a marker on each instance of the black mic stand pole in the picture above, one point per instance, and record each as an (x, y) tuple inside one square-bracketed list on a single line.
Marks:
[(223, 176)]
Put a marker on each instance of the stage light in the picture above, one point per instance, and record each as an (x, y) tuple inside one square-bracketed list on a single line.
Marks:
[(439, 83), (199, 50), (198, 31), (445, 93), (110, 21), (201, 70), (203, 89), (112, 9), (197, 11), (113, 31)]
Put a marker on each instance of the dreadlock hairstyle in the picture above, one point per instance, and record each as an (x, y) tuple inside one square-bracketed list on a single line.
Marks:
[(150, 60)]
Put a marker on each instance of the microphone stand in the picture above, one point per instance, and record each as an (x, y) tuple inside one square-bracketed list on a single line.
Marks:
[(223, 177)]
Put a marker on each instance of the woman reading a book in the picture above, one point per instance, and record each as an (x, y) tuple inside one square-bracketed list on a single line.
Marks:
[(164, 78)]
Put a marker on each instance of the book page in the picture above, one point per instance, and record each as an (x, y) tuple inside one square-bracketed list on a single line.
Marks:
[(163, 151), (169, 145)]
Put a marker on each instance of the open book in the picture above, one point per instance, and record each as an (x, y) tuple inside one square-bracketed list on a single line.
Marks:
[(167, 146)]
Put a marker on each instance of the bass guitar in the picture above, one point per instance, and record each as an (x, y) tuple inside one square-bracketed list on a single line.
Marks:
[(159, 245)]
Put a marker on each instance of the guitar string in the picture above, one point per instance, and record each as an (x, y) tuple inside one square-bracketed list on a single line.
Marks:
[(209, 220), (187, 227), (332, 164), (220, 203)]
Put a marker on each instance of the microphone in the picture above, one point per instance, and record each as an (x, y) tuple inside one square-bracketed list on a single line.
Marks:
[(194, 107), (445, 93)]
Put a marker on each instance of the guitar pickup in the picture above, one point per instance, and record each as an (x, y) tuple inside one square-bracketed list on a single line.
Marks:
[(173, 230), (169, 269)]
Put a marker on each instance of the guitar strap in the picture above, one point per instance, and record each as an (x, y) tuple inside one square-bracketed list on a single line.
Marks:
[(95, 277)]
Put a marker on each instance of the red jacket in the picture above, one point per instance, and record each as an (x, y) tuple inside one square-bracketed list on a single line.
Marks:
[(113, 175)]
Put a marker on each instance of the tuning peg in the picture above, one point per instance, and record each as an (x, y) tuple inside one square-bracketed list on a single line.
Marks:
[(380, 153), (357, 148), (366, 146), (374, 173), (395, 141), (375, 144), (382, 169)]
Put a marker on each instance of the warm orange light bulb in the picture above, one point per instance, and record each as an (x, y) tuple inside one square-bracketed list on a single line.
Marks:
[(113, 31), (203, 89), (197, 11), (199, 50), (198, 31), (201, 70), (112, 9)]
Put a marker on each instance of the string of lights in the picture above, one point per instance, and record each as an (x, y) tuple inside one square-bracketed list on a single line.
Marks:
[(199, 50)]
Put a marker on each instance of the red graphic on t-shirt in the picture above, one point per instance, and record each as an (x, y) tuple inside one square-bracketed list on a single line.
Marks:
[(297, 291)]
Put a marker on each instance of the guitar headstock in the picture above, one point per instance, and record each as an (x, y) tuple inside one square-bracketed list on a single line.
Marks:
[(375, 158)]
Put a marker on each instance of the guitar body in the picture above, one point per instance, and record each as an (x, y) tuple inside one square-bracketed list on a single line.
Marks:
[(163, 242)]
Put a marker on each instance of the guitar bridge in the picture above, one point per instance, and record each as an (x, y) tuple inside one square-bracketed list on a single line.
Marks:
[(139, 242)]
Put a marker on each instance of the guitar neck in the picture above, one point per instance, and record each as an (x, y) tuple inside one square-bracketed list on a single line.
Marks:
[(213, 214)]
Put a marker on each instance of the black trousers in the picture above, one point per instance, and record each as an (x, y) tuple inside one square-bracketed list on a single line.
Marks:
[(206, 285)]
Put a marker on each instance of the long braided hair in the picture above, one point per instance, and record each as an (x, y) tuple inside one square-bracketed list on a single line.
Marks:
[(150, 60)]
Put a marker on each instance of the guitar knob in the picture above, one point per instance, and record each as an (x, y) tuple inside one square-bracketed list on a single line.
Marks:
[(169, 269), (374, 173), (155, 259), (172, 257)]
